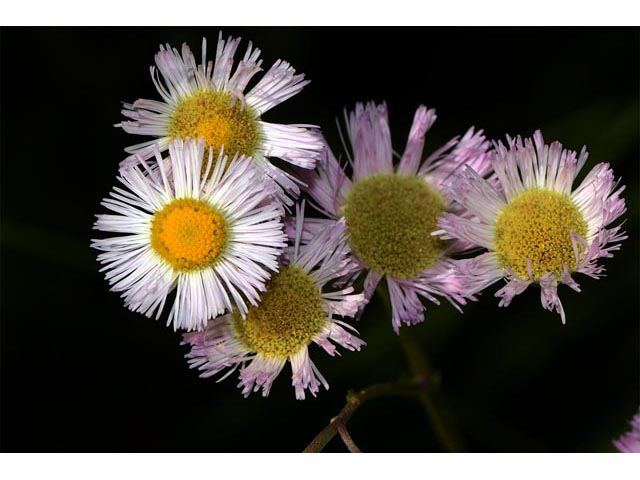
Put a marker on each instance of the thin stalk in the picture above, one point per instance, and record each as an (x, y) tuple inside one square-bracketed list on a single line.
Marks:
[(431, 396), (354, 401), (346, 438)]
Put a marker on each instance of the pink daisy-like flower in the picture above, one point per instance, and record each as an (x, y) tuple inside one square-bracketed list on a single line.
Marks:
[(390, 212), (630, 442), (536, 228), (297, 309), (207, 101), (213, 238)]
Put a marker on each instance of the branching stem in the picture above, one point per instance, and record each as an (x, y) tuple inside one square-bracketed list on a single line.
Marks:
[(424, 385), (431, 397), (354, 401)]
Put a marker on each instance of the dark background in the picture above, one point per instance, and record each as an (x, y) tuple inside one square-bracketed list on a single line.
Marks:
[(81, 373)]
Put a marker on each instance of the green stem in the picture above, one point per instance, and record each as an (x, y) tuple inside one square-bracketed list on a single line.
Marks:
[(354, 401), (424, 385), (431, 396)]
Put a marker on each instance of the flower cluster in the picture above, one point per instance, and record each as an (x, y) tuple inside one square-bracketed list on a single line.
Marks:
[(201, 219)]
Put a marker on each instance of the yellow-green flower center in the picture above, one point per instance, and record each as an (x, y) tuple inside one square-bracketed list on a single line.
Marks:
[(289, 315), (189, 234), (219, 120), (390, 219), (537, 225)]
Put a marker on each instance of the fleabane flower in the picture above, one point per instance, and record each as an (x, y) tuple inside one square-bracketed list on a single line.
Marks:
[(296, 310), (535, 226), (390, 212), (207, 101), (630, 442), (213, 238)]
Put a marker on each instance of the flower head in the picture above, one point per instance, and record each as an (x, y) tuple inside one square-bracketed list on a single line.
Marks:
[(296, 310), (208, 101), (213, 238), (390, 212), (630, 442), (535, 226)]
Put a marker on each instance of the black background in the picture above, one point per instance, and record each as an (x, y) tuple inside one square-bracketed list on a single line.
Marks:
[(81, 373)]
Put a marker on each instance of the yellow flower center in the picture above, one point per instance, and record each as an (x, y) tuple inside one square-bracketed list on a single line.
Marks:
[(289, 315), (219, 120), (537, 225), (189, 234), (390, 219)]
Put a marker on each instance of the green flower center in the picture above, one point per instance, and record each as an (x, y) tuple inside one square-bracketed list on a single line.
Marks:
[(390, 219), (289, 315), (537, 225), (219, 120)]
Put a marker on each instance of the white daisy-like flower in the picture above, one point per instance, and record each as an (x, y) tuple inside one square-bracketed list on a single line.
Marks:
[(536, 228), (391, 211), (207, 101), (214, 238), (296, 310)]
